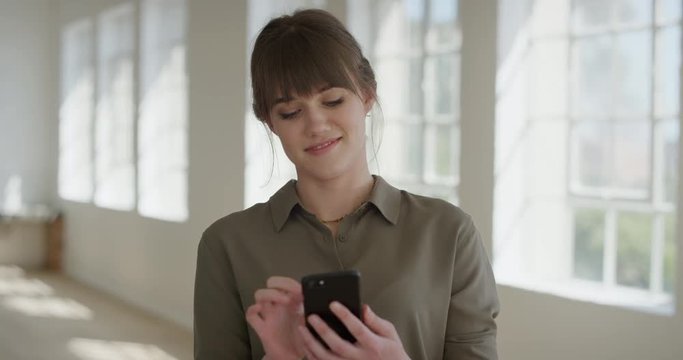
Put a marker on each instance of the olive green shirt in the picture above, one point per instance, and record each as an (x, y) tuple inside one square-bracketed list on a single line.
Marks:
[(422, 263)]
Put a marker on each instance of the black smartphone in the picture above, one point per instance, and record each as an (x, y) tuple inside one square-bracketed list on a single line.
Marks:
[(321, 289)]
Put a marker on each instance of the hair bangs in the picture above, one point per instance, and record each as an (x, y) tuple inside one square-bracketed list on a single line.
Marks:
[(301, 63)]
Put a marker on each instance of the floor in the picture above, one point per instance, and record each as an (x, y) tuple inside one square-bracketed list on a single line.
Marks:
[(47, 316)]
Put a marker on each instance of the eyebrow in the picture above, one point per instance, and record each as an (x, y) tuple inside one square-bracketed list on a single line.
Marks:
[(289, 98)]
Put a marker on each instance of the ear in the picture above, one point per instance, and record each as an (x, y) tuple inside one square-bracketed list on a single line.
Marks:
[(269, 123), (368, 102)]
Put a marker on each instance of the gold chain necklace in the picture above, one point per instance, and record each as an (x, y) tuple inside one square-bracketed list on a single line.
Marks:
[(335, 221)]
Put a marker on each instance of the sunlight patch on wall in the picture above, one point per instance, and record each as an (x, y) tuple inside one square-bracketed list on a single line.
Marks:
[(163, 125), (76, 112), (114, 147)]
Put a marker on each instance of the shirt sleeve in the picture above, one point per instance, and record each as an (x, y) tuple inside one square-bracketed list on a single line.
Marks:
[(220, 328), (471, 326)]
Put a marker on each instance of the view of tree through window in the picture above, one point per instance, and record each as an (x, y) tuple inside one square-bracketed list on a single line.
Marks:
[(625, 140)]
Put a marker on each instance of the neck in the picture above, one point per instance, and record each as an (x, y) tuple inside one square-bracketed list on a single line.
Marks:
[(332, 199)]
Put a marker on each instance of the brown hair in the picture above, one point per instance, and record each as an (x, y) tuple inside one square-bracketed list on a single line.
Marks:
[(294, 54)]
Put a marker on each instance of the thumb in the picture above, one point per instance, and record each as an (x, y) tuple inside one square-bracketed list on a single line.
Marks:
[(378, 325)]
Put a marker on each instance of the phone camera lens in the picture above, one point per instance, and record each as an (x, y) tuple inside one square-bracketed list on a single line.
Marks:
[(321, 282)]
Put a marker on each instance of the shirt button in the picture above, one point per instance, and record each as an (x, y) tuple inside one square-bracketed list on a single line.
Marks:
[(342, 238)]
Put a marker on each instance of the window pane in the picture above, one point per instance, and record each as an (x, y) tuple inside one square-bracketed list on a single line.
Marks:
[(400, 86), (414, 12), (591, 154), (634, 234), (593, 80), (415, 88), (632, 157), (667, 71), (441, 84), (668, 10), (443, 31), (442, 152), (633, 12), (589, 243), (590, 14), (668, 133), (401, 151), (633, 67), (669, 253), (400, 26)]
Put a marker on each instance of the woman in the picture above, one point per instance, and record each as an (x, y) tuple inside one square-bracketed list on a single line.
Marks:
[(426, 281)]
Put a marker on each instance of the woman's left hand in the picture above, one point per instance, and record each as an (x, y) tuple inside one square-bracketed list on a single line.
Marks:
[(375, 339)]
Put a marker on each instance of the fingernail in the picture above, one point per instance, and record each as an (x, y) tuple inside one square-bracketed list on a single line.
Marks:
[(335, 305)]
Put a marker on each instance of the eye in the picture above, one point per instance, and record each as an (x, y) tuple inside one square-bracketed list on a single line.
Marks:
[(334, 103), (289, 115)]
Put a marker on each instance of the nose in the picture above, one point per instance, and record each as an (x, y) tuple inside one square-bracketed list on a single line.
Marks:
[(316, 121)]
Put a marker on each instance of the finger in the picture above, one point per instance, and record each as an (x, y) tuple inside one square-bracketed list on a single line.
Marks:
[(337, 345), (271, 295), (380, 326), (254, 318), (285, 284), (355, 326), (313, 348)]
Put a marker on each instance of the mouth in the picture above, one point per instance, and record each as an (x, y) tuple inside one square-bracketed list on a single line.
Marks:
[(323, 146)]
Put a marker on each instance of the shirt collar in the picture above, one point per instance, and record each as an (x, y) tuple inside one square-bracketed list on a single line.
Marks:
[(282, 203), (386, 198)]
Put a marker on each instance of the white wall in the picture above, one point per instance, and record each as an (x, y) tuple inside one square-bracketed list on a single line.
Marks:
[(26, 78)]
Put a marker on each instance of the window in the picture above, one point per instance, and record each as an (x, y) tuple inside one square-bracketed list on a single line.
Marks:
[(586, 173), (416, 57), (102, 149)]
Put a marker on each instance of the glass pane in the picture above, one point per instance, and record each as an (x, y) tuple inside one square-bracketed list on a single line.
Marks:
[(443, 30), (401, 151), (442, 152), (414, 17), (415, 88), (394, 86), (634, 232), (632, 157), (592, 57), (633, 66), (633, 12), (668, 10), (590, 14), (669, 272), (591, 155), (589, 243), (441, 84), (668, 150), (667, 71)]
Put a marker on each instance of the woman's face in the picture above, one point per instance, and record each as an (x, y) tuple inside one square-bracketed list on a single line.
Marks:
[(323, 134)]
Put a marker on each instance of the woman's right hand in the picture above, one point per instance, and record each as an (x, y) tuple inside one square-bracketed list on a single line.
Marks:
[(276, 316)]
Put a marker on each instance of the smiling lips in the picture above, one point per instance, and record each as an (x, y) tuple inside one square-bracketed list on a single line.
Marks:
[(323, 147)]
